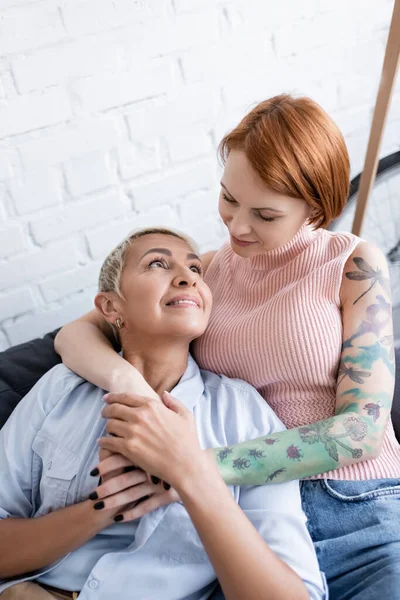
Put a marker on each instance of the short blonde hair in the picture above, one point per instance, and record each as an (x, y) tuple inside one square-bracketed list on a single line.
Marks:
[(113, 266)]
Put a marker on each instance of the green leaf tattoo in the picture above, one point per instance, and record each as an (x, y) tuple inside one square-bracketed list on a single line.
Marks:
[(367, 272)]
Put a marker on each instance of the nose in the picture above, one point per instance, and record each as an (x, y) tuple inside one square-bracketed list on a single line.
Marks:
[(187, 278), (239, 225)]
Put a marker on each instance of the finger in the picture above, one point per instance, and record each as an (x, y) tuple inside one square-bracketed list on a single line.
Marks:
[(124, 497), (118, 428), (117, 411), (173, 404), (118, 484), (155, 501), (128, 399), (113, 444), (110, 464)]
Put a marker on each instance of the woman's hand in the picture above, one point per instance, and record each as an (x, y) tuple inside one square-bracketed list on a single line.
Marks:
[(129, 494), (160, 438)]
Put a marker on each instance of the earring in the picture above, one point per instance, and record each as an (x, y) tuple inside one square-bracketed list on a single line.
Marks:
[(119, 323)]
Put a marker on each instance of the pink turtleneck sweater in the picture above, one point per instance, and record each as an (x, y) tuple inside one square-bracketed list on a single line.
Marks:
[(276, 323)]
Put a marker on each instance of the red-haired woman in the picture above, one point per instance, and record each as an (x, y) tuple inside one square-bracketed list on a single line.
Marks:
[(304, 315)]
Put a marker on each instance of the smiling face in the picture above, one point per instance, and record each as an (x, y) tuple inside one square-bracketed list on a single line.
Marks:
[(163, 290), (258, 219)]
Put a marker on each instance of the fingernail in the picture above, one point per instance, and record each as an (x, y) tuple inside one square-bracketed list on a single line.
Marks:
[(105, 397), (119, 518), (129, 469), (94, 472), (93, 496), (98, 505), (166, 486), (154, 480)]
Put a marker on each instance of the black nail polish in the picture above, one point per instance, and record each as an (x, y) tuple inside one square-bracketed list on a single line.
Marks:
[(129, 469), (93, 496), (98, 505), (166, 486), (154, 480), (94, 472), (119, 518)]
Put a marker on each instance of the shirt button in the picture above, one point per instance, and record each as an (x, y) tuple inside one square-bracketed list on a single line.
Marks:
[(49, 465), (93, 584)]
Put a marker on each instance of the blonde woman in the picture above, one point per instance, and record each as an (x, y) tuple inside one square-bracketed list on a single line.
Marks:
[(58, 539)]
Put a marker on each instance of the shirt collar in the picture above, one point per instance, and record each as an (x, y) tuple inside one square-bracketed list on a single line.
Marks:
[(190, 388)]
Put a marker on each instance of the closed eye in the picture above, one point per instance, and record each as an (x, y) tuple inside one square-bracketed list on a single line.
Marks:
[(229, 200)]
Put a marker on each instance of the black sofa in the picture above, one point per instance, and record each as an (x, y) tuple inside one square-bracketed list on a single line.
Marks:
[(21, 366)]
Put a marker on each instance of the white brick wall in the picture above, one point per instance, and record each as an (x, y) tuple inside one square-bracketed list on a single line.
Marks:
[(111, 111)]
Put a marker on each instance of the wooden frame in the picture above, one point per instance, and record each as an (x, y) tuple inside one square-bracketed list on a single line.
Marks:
[(388, 77)]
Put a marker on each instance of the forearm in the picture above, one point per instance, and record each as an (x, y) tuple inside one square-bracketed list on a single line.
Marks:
[(85, 349), (29, 544), (225, 531), (301, 452)]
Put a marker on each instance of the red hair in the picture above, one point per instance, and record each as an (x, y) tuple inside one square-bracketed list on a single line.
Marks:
[(297, 150)]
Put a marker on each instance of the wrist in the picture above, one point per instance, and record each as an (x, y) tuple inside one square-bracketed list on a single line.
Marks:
[(202, 473)]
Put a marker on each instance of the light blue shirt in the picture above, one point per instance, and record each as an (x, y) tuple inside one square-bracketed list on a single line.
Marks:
[(49, 446)]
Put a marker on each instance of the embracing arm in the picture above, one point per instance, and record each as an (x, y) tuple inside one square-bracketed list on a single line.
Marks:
[(86, 347), (364, 393)]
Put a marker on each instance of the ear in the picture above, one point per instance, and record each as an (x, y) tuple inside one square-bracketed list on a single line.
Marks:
[(109, 305)]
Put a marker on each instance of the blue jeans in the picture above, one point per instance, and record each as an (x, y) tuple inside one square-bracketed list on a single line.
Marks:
[(355, 527)]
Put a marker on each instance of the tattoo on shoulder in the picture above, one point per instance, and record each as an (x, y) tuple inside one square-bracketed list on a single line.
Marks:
[(366, 272)]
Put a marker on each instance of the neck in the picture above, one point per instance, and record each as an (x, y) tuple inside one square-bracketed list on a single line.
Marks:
[(162, 362)]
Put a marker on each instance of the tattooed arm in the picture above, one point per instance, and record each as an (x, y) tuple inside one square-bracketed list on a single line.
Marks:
[(363, 397)]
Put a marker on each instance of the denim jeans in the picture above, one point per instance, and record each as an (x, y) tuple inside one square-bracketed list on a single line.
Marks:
[(355, 527)]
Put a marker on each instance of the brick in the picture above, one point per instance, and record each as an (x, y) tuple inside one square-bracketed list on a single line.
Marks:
[(139, 158), (356, 90), (77, 139), (12, 240), (88, 174), (34, 265), (31, 112), (353, 120), (77, 280), (5, 164), (193, 5), (195, 207), (193, 143), (106, 91), (36, 191), (45, 320), (102, 241), (173, 185), (55, 65), (78, 216), (30, 26), (192, 104), (91, 16), (16, 303)]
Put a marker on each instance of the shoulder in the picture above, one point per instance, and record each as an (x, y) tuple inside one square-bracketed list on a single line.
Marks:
[(243, 410), (365, 265), (55, 385)]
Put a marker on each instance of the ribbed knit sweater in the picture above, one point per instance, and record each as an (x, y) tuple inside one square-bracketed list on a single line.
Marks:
[(276, 323)]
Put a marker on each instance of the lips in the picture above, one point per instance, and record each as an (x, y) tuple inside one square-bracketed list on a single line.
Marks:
[(184, 300), (241, 242)]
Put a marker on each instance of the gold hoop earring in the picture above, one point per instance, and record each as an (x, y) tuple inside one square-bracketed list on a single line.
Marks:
[(119, 323)]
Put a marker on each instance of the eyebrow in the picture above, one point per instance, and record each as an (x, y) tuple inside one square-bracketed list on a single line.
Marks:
[(269, 208), (167, 252)]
